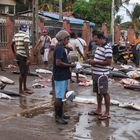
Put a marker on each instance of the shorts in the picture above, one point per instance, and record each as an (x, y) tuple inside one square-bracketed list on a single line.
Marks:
[(100, 84), (60, 89), (45, 56), (22, 63)]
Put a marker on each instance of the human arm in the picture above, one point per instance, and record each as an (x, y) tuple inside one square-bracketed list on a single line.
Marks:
[(78, 50), (106, 62), (13, 48), (62, 64)]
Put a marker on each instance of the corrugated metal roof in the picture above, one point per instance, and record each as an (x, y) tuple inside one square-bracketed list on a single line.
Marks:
[(72, 20)]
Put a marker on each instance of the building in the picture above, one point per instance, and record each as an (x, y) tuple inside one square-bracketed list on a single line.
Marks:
[(5, 6)]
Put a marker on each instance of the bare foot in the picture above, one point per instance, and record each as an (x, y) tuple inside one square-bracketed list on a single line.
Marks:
[(29, 91)]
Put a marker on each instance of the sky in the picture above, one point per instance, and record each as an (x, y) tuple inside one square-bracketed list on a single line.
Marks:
[(122, 11)]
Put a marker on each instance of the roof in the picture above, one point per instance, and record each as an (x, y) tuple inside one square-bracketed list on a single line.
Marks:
[(71, 19)]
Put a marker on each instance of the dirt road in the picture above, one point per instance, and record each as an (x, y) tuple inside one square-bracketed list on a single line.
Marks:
[(20, 120)]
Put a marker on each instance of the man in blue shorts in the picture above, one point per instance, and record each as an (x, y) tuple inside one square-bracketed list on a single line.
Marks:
[(61, 73), (102, 59)]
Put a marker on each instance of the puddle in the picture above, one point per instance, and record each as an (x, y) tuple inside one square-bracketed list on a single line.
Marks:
[(81, 129), (128, 131)]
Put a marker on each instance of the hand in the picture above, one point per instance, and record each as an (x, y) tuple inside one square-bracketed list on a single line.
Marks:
[(28, 62), (73, 65), (91, 62)]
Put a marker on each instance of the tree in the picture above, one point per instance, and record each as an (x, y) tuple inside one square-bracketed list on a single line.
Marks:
[(134, 15), (118, 19), (93, 10), (96, 10), (23, 5)]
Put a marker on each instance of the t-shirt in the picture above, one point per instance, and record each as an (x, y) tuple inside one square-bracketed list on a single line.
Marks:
[(60, 73), (101, 53), (45, 41), (73, 43), (20, 38), (92, 47), (81, 43)]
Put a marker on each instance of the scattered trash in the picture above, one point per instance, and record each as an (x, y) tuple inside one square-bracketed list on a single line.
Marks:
[(86, 83), (43, 71), (133, 74), (10, 93), (6, 80), (130, 106), (128, 81), (70, 96), (4, 96), (38, 85), (11, 66), (80, 75)]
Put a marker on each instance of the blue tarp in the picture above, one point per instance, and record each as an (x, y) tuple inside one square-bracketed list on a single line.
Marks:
[(72, 20)]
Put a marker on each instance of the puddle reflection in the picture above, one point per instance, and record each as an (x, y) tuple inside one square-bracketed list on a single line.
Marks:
[(104, 123), (23, 102)]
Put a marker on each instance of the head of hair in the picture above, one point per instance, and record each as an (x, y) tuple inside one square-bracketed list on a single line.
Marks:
[(23, 27), (94, 32), (72, 35), (79, 34), (100, 35)]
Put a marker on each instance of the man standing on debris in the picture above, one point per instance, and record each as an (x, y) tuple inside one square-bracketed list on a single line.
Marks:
[(102, 59), (21, 51), (61, 73)]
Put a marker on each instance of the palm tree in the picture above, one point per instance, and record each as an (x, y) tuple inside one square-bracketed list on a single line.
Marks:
[(134, 15), (119, 3)]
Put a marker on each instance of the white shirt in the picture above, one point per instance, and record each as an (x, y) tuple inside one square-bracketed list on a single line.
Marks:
[(81, 43)]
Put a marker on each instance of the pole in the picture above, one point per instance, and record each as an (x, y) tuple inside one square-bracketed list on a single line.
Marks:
[(112, 21), (35, 21), (60, 10)]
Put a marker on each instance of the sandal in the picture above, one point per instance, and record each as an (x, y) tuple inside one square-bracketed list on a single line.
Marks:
[(103, 117), (28, 91), (94, 113)]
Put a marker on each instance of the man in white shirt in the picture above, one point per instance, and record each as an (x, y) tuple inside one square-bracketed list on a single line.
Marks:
[(81, 47)]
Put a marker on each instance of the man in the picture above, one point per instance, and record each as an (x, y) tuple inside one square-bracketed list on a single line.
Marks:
[(92, 44), (61, 73), (136, 50), (1, 64), (81, 47), (73, 54), (21, 52), (44, 41), (102, 59)]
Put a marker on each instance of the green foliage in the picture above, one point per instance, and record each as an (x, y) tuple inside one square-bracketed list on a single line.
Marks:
[(96, 11), (23, 5), (118, 19)]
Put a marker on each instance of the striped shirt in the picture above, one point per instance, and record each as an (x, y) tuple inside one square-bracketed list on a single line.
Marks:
[(102, 53), (20, 38)]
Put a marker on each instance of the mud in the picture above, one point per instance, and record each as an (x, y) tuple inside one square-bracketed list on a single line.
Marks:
[(32, 117)]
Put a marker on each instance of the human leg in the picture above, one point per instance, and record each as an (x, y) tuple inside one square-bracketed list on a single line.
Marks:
[(98, 110), (107, 104), (60, 89), (23, 68)]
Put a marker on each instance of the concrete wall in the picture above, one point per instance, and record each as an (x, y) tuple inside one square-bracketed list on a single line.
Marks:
[(11, 27), (8, 2)]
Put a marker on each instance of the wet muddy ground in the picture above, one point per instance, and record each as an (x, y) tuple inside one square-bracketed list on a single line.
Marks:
[(32, 117)]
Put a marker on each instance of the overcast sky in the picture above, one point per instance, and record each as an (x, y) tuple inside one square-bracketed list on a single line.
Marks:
[(122, 11)]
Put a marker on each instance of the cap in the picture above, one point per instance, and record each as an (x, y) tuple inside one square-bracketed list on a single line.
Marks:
[(62, 35), (44, 30), (23, 27)]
